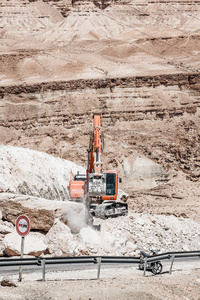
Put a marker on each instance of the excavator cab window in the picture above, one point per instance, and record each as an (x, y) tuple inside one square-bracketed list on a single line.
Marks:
[(110, 184)]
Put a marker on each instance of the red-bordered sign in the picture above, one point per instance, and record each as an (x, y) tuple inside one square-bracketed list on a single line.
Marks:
[(23, 225)]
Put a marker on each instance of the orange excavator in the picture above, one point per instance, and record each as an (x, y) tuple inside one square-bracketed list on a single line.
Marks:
[(98, 189)]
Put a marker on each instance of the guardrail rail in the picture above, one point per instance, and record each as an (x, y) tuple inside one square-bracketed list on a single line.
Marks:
[(99, 260)]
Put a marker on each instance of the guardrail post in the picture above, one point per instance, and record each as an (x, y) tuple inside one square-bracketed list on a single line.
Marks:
[(170, 271), (43, 269), (99, 267), (145, 265)]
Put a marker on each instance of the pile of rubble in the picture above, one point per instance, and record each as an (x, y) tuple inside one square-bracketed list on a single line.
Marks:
[(61, 227), (65, 232)]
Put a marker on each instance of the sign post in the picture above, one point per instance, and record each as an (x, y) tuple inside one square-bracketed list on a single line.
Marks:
[(23, 227)]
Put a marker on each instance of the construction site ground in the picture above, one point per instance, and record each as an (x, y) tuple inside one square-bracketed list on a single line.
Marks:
[(114, 283)]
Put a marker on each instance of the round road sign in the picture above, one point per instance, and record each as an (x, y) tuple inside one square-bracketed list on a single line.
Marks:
[(23, 225)]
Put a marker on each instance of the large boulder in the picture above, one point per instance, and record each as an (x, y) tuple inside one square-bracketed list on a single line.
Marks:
[(60, 240), (42, 212), (33, 244)]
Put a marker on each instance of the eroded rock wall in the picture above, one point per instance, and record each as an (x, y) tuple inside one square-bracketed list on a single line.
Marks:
[(154, 116)]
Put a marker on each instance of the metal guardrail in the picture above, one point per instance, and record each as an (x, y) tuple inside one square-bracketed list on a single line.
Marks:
[(169, 255), (7, 262), (177, 255), (42, 261)]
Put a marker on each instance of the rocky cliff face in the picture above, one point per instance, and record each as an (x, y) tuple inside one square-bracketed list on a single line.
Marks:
[(154, 116), (137, 64)]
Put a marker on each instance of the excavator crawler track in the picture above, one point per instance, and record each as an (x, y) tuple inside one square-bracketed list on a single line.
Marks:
[(109, 209)]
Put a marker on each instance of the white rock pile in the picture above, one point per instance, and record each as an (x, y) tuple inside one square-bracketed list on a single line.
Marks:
[(126, 236), (122, 236), (29, 172), (145, 231)]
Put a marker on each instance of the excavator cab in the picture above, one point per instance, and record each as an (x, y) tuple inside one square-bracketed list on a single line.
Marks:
[(99, 188)]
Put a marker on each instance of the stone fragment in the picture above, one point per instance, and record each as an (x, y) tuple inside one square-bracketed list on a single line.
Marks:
[(6, 281), (4, 229), (122, 196)]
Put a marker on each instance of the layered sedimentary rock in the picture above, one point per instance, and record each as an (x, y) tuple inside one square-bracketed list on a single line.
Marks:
[(137, 64), (155, 116)]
